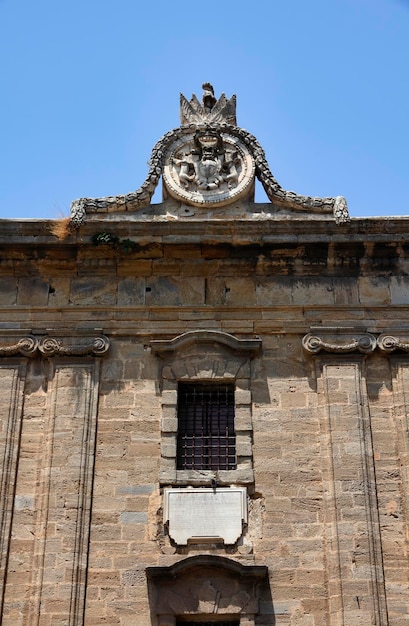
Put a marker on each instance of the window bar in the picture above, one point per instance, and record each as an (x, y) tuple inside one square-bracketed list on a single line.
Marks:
[(206, 438)]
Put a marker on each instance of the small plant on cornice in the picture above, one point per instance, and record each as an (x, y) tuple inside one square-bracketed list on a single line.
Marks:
[(104, 238), (108, 239), (127, 245)]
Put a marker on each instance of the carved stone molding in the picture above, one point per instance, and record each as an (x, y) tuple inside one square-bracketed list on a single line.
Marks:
[(339, 343), (250, 346), (205, 585), (390, 343), (205, 354), (31, 346)]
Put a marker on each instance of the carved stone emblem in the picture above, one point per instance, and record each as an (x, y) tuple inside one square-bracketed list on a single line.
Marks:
[(207, 167), (208, 161)]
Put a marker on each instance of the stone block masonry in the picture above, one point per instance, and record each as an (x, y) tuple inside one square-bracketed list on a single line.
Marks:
[(307, 319)]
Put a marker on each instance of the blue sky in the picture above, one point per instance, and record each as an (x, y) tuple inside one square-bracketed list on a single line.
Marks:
[(89, 86)]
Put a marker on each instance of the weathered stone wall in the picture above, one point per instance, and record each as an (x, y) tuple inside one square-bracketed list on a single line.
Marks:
[(84, 437)]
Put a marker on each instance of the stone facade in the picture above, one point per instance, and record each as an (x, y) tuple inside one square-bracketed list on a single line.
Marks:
[(308, 318)]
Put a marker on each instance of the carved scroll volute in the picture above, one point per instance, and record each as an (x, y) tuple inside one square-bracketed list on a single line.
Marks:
[(339, 344), (53, 346), (25, 346), (30, 346), (390, 343)]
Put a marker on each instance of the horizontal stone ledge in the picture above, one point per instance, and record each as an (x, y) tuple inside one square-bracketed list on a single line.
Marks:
[(144, 310), (262, 217), (239, 476)]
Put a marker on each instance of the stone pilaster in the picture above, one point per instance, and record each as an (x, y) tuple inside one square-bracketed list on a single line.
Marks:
[(399, 498), (65, 492), (355, 584), (12, 375)]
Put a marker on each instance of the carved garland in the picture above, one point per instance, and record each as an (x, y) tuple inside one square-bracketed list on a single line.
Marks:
[(30, 346), (141, 197), (364, 343), (343, 344), (52, 346)]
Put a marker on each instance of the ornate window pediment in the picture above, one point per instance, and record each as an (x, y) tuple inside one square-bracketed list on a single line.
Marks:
[(206, 586)]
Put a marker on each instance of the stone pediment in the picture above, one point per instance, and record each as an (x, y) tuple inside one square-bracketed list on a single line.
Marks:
[(208, 163), (206, 585)]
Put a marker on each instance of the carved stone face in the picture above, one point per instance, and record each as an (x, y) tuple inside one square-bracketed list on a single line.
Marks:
[(209, 143)]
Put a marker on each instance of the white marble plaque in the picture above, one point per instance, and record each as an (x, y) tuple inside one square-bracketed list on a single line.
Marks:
[(202, 515)]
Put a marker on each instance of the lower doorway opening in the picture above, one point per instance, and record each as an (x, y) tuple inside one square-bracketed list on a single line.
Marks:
[(230, 622)]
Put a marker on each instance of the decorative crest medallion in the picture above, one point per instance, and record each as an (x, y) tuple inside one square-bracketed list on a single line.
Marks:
[(208, 167), (209, 162)]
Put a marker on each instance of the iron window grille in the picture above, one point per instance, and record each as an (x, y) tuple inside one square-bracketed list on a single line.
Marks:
[(206, 438)]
